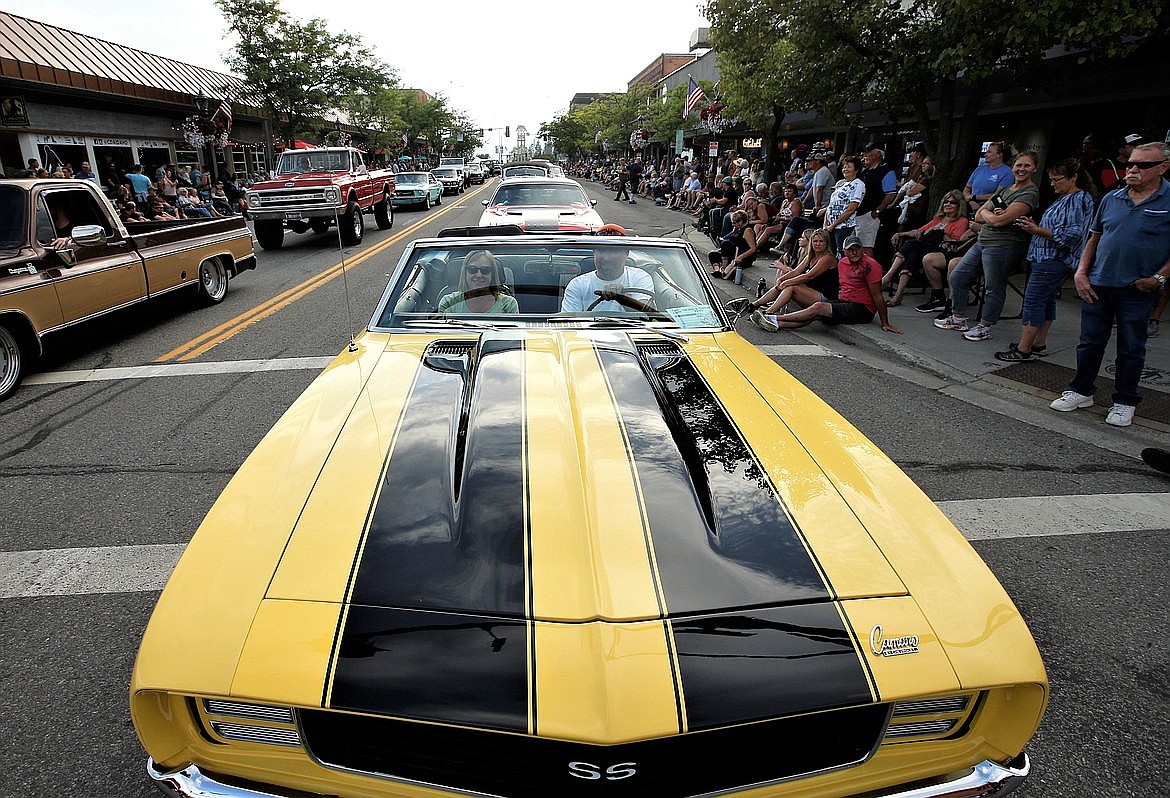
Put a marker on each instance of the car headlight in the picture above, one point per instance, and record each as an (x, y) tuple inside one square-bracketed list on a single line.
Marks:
[(331, 194), (253, 198)]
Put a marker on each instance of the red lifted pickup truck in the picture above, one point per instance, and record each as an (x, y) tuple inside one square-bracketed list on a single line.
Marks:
[(318, 187)]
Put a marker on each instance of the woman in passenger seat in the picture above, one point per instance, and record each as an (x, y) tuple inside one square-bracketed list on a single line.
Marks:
[(479, 288)]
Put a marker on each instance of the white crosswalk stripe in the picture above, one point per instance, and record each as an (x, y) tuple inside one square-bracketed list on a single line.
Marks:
[(178, 370)]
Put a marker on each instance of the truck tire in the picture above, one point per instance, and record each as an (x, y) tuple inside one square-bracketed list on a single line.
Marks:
[(213, 281), (269, 234), (353, 225), (14, 361), (384, 214)]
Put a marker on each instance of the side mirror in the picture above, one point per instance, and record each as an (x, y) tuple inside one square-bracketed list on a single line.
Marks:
[(484, 203), (89, 235)]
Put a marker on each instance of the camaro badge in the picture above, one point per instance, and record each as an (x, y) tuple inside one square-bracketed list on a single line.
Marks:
[(883, 646)]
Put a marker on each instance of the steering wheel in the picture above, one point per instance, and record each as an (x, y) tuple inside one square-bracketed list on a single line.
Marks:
[(648, 305)]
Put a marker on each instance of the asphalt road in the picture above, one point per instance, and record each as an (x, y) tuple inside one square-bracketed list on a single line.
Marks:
[(137, 461)]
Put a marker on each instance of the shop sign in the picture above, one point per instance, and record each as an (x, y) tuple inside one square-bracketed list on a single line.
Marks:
[(713, 149), (752, 144), (150, 144), (110, 142), (48, 139), (678, 141), (13, 111)]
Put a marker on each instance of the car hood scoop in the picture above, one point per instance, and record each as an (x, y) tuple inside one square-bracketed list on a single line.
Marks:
[(570, 476)]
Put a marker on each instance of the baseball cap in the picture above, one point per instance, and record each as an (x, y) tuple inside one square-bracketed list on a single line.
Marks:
[(726, 179), (873, 145), (851, 241), (1133, 138)]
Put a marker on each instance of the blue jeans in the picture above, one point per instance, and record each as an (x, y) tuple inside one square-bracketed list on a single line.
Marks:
[(996, 264), (1040, 295), (1131, 309), (839, 236)]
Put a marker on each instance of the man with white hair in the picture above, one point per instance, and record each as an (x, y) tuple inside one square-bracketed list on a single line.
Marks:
[(1123, 270)]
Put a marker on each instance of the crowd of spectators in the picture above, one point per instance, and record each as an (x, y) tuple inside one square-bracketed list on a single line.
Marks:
[(169, 192)]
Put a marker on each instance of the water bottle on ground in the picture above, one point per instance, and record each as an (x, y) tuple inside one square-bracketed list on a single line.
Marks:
[(761, 287)]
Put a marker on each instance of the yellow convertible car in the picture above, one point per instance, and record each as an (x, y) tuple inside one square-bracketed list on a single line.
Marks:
[(550, 527)]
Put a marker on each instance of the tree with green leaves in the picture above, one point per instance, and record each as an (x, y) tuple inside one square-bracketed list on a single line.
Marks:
[(298, 72), (933, 60)]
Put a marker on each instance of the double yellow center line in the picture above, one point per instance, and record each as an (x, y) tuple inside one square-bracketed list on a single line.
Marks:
[(216, 336)]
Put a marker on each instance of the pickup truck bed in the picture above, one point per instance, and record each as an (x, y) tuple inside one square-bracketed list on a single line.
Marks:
[(65, 258)]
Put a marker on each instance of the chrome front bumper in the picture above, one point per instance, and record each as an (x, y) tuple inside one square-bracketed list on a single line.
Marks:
[(986, 779)]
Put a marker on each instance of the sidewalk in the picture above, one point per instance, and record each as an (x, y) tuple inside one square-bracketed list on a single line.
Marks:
[(946, 354)]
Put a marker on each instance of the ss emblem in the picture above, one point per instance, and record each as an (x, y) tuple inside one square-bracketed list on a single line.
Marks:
[(588, 770)]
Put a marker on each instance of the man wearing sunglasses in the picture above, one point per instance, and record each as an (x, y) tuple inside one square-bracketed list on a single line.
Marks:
[(1123, 268)]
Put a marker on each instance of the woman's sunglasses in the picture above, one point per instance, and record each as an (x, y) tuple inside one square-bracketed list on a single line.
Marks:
[(479, 269)]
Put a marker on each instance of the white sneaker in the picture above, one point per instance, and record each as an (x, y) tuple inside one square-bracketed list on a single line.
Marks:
[(764, 321), (1071, 400), (1120, 415)]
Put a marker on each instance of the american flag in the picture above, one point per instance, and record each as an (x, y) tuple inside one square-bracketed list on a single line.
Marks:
[(405, 139), (694, 97), (225, 111)]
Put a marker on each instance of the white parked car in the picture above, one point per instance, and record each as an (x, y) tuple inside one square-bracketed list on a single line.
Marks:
[(536, 204)]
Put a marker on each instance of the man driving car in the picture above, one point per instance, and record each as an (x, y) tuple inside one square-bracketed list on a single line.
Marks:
[(608, 285)]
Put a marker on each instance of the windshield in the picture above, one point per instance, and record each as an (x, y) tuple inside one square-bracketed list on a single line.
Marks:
[(525, 171), (444, 173), (540, 194), (12, 217), (410, 177), (292, 163), (607, 281)]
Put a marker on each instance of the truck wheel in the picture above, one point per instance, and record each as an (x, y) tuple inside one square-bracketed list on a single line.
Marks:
[(319, 225), (384, 214), (13, 361), (353, 226), (213, 281), (269, 234)]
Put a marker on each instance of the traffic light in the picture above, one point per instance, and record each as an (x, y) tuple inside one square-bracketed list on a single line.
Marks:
[(507, 131)]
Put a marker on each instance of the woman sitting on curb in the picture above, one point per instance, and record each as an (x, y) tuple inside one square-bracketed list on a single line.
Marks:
[(859, 299), (813, 280)]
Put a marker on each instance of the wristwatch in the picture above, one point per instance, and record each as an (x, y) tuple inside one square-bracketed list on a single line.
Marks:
[(1161, 278)]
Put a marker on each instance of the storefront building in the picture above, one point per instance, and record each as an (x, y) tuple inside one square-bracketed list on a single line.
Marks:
[(69, 99)]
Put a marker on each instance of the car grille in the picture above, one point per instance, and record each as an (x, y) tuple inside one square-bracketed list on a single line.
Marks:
[(521, 766), (294, 198)]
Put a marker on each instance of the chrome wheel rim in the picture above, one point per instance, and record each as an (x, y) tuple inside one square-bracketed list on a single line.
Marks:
[(214, 278), (357, 222), (9, 361)]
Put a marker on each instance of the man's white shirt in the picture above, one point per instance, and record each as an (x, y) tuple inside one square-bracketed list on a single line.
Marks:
[(580, 293)]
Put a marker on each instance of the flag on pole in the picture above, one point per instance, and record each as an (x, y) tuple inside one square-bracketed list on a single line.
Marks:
[(405, 139), (597, 138), (694, 96), (225, 111)]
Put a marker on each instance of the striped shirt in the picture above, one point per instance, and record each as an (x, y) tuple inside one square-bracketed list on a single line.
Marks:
[(1068, 219)]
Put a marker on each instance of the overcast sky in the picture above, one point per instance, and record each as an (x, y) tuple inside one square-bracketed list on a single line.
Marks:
[(485, 60)]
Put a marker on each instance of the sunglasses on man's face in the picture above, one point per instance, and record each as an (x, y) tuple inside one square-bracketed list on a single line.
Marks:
[(478, 269), (1142, 164)]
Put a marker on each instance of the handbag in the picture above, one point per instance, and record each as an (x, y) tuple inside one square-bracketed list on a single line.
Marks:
[(934, 237)]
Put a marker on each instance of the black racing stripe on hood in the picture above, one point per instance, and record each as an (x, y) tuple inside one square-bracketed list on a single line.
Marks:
[(453, 668), (758, 664), (436, 628), (721, 536), (447, 531)]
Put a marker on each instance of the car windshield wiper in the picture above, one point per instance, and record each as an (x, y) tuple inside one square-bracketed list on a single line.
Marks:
[(614, 321), (476, 325)]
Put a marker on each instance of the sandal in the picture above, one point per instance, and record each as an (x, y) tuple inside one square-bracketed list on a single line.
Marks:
[(1014, 355), (893, 302)]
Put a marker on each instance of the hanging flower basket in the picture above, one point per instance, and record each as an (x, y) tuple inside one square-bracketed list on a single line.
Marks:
[(640, 138), (337, 138), (199, 131)]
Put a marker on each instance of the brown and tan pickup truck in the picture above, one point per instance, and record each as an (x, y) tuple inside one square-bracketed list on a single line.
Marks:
[(66, 258)]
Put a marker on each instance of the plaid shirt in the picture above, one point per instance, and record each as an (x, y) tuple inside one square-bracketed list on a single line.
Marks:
[(1068, 218)]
